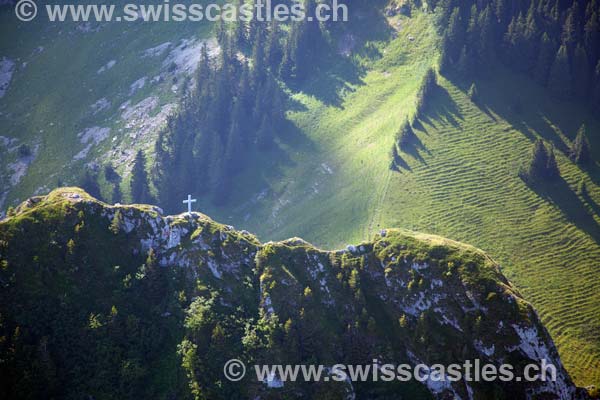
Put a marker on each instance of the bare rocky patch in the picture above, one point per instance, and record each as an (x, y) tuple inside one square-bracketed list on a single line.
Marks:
[(91, 137)]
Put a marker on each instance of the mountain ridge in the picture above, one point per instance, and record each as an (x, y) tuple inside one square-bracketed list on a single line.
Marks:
[(400, 297)]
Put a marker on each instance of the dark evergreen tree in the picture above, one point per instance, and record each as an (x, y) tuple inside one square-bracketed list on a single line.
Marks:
[(240, 29), (405, 135), (592, 36), (487, 35), (560, 81), (264, 136), (89, 183), (542, 164), (580, 149), (501, 11), (536, 170), (117, 195), (473, 93), (455, 34), (258, 58), (581, 73), (473, 34), (568, 37), (273, 48), (234, 154), (140, 191), (552, 172), (221, 32), (595, 97), (545, 59), (203, 75), (286, 69), (463, 65), (111, 176), (427, 87)]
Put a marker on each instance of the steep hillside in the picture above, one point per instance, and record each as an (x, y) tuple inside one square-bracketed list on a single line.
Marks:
[(462, 182), (79, 95), (118, 302), (328, 178)]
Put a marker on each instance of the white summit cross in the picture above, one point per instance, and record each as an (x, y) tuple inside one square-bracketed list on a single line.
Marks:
[(189, 202)]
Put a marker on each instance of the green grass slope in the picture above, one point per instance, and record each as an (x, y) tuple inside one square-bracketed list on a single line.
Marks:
[(462, 182), (331, 183)]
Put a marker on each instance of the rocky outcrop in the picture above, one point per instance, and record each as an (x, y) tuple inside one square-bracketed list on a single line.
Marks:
[(400, 298)]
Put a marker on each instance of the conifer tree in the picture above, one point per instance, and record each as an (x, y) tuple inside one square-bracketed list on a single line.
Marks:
[(286, 69), (552, 172), (234, 153), (273, 49), (592, 36), (473, 33), (117, 195), (569, 29), (244, 91), (560, 81), (111, 176), (473, 93), (581, 73), (501, 11), (580, 149), (89, 183), (542, 165), (595, 97), (455, 33), (427, 86), (264, 136), (140, 192), (115, 224), (404, 135), (545, 59), (258, 59), (240, 29), (536, 170), (203, 74), (463, 65), (487, 35)]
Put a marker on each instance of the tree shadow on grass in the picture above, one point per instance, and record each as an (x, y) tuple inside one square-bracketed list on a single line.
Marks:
[(560, 194), (400, 164), (588, 199), (442, 108), (530, 108), (414, 148), (332, 81), (290, 135), (337, 71), (593, 171)]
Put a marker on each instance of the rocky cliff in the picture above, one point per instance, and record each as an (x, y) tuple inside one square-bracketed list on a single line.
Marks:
[(103, 301)]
